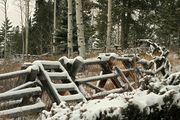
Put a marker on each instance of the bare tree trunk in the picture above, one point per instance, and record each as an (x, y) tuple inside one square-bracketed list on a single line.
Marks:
[(123, 38), (80, 29), (27, 24), (109, 25), (70, 30), (4, 4), (119, 34), (179, 36), (22, 30), (54, 27), (5, 35)]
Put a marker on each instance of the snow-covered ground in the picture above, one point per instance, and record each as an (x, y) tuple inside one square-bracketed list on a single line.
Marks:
[(152, 93), (151, 96)]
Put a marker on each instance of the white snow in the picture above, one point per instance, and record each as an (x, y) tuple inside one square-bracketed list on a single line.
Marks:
[(143, 100), (91, 110), (114, 104), (107, 56)]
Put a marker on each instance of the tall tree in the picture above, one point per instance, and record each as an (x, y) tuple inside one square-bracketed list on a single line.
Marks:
[(6, 27), (70, 29), (125, 23), (54, 27), (4, 4), (109, 25), (6, 32), (27, 24), (42, 27), (20, 4), (16, 42), (89, 31), (101, 19), (62, 26), (80, 29)]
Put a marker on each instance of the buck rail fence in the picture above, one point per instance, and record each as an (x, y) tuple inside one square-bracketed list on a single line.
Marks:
[(76, 80)]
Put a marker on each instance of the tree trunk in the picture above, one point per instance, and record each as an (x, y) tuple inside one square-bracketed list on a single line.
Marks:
[(22, 30), (119, 34), (27, 24), (179, 35), (109, 25), (5, 32), (125, 25), (54, 27), (123, 38), (80, 29), (70, 30)]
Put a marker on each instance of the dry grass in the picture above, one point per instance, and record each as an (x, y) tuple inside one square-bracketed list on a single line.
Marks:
[(174, 59), (5, 67)]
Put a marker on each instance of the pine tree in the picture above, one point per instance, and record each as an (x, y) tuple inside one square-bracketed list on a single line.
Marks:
[(6, 33), (101, 20), (42, 27), (62, 26), (16, 42), (9, 28)]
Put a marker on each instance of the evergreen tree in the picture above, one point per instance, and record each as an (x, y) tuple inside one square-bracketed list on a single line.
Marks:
[(168, 22), (155, 19), (16, 42), (42, 27), (9, 29), (89, 29), (101, 19), (8, 37), (61, 40)]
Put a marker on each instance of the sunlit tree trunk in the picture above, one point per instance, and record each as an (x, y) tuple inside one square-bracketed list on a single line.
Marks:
[(27, 24), (80, 29), (109, 25), (70, 30)]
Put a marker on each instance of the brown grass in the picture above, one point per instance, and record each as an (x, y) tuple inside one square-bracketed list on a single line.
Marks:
[(5, 67), (174, 59)]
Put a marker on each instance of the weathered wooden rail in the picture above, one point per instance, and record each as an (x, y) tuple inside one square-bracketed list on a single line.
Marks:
[(16, 96), (62, 80)]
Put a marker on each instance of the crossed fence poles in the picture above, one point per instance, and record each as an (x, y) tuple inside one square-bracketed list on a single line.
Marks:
[(38, 77)]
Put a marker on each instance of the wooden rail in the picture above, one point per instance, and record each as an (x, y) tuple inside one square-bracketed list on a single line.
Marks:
[(39, 76)]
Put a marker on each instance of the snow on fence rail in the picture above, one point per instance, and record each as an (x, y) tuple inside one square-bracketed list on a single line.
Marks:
[(62, 80)]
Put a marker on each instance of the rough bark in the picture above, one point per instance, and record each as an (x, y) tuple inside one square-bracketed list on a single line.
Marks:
[(109, 25), (70, 30), (80, 29)]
